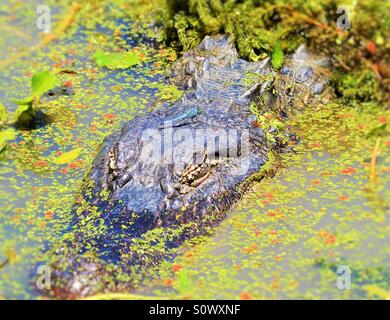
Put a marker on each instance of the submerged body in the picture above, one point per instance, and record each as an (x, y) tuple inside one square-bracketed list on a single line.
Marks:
[(174, 173)]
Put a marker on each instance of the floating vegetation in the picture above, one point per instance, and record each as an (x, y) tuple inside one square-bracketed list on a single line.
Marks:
[(277, 56), (359, 52), (67, 157), (326, 205), (5, 136), (3, 115), (41, 82), (116, 60)]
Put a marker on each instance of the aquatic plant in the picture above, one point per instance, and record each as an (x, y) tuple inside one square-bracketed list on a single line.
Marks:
[(3, 115), (41, 82), (260, 28), (271, 231), (116, 60)]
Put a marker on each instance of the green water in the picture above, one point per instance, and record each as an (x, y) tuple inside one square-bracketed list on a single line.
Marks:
[(286, 237)]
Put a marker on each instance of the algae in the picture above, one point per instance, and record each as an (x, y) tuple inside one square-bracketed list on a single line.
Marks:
[(289, 234)]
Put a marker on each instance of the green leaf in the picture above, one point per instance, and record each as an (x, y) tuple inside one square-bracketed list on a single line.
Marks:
[(377, 131), (277, 56), (42, 82), (116, 60), (67, 157), (24, 114), (24, 101), (3, 114), (5, 136)]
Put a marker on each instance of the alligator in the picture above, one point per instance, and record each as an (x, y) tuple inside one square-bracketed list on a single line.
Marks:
[(173, 174)]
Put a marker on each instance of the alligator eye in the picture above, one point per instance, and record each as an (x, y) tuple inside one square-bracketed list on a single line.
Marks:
[(50, 93), (123, 179), (195, 175)]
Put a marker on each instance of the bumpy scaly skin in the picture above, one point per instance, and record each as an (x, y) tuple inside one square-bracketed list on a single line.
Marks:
[(135, 190)]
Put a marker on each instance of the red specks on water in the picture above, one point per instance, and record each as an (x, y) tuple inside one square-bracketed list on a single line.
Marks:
[(327, 237), (168, 282), (245, 296), (252, 248), (387, 143), (176, 267), (258, 233), (276, 213), (109, 117), (41, 164), (68, 62), (361, 126), (348, 171), (371, 47), (141, 55), (267, 195), (49, 214), (315, 182), (68, 84), (343, 198), (268, 198), (314, 145), (331, 239), (93, 127), (80, 106), (275, 284), (382, 119), (188, 255), (75, 164)]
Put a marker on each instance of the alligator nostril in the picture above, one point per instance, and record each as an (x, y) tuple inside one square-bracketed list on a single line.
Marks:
[(285, 70), (318, 88), (303, 74), (124, 179)]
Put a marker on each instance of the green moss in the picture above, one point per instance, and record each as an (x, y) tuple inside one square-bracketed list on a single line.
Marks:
[(361, 85), (257, 26)]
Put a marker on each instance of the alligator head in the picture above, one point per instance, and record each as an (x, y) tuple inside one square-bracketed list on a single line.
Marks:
[(182, 167)]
